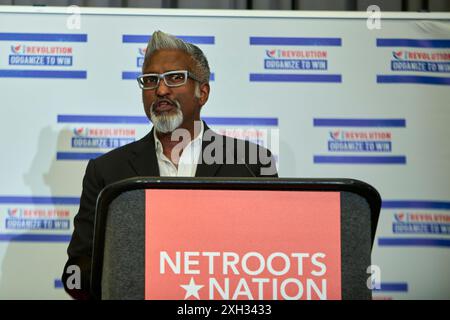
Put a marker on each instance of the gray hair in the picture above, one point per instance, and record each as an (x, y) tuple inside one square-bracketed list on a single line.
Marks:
[(161, 40)]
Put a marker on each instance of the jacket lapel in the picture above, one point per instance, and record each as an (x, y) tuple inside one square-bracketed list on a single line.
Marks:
[(144, 162)]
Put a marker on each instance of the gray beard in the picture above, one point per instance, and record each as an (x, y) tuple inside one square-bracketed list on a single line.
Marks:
[(165, 123)]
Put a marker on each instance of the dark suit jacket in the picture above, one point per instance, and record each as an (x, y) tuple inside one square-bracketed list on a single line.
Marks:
[(139, 159)]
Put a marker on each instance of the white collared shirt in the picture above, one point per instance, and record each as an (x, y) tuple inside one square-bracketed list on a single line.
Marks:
[(187, 165)]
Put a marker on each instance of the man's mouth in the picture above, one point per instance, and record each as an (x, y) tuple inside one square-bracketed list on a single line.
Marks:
[(163, 106)]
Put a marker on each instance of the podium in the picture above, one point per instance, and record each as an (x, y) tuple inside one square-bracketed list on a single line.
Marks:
[(240, 238)]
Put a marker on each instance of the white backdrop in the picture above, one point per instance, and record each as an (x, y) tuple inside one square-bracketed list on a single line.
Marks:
[(345, 100)]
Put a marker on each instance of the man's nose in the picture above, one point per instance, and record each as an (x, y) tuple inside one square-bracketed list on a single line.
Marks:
[(162, 89)]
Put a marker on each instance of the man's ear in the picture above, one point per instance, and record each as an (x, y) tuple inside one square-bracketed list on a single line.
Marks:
[(204, 94)]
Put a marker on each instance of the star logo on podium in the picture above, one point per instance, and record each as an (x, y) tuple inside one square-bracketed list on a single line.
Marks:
[(191, 289)]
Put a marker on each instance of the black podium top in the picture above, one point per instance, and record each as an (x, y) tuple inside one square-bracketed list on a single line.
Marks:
[(360, 207)]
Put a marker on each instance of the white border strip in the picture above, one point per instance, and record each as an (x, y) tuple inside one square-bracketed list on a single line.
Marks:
[(228, 13)]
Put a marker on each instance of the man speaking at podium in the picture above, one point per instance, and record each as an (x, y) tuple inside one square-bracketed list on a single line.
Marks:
[(175, 87)]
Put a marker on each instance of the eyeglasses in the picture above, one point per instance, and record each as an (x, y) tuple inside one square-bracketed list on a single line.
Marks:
[(176, 78)]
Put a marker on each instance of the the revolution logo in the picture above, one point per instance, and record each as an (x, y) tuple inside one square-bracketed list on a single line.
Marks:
[(41, 55), (295, 59), (356, 140), (271, 53), (416, 222), (80, 131), (420, 61), (421, 55), (360, 141), (399, 217), (102, 138), (16, 49), (44, 55), (413, 60), (398, 55), (37, 219), (12, 212)]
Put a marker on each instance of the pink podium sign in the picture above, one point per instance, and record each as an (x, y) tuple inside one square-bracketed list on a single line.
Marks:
[(237, 245)]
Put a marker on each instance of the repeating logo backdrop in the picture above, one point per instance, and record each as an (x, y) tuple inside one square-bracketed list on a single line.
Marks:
[(329, 97)]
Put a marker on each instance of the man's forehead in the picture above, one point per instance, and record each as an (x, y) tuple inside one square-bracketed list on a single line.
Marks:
[(166, 60)]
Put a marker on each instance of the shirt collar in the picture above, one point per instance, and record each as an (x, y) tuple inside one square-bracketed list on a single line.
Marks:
[(197, 140)]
